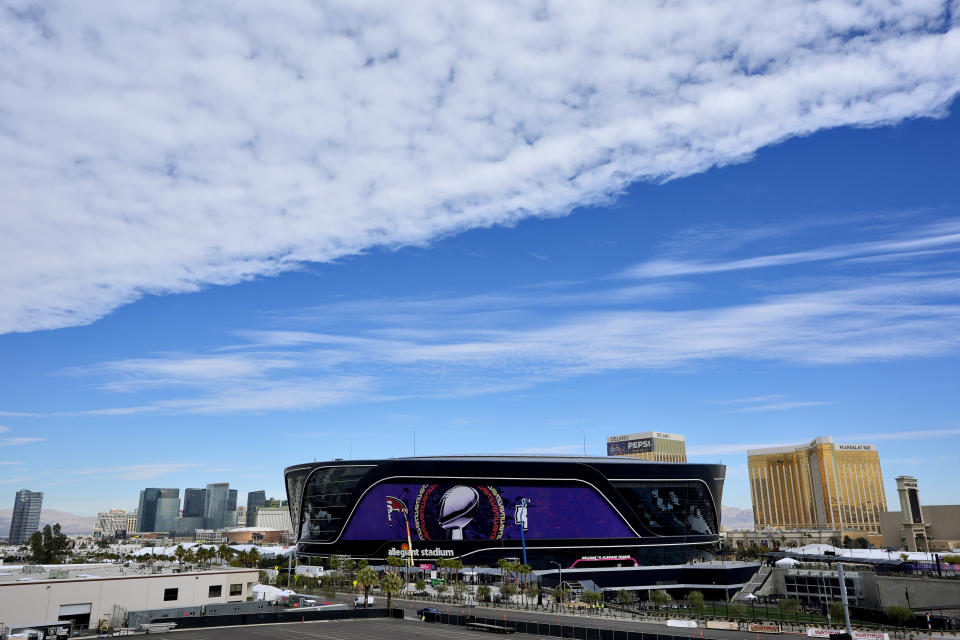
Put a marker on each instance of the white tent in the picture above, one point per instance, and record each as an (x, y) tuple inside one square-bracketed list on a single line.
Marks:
[(266, 592), (786, 562)]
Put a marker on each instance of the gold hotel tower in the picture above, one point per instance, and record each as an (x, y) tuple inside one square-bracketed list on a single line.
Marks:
[(820, 485)]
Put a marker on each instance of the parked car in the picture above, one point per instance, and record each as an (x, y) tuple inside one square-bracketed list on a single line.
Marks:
[(431, 610)]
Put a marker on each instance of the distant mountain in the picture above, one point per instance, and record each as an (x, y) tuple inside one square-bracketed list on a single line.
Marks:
[(732, 518), (69, 522)]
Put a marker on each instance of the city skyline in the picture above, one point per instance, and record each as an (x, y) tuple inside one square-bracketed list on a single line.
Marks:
[(221, 257)]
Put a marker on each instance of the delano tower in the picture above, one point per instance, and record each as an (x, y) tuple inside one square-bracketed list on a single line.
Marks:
[(820, 485)]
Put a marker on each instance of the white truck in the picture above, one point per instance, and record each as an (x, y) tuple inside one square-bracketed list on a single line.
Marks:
[(360, 603)]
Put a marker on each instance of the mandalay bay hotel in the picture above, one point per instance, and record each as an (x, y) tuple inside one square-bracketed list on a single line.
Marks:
[(819, 485)]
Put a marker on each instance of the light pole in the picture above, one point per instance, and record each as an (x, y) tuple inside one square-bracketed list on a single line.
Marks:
[(560, 586)]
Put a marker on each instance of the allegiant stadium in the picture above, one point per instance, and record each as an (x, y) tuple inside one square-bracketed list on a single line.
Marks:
[(552, 511)]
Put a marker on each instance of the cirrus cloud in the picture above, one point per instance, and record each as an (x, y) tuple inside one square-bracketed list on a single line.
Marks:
[(151, 148)]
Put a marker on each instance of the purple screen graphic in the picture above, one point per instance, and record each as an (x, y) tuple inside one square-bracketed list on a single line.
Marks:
[(447, 510)]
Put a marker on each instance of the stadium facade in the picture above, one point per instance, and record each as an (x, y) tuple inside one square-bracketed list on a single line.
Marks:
[(583, 512)]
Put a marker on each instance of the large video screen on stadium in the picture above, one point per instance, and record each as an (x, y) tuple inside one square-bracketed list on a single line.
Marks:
[(468, 511)]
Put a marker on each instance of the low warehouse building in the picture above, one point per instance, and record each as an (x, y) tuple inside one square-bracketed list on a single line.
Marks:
[(32, 595)]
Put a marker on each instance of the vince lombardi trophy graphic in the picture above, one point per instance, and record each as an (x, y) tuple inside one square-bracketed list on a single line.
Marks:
[(456, 509)]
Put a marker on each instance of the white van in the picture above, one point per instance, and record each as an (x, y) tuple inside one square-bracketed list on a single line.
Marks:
[(358, 602)]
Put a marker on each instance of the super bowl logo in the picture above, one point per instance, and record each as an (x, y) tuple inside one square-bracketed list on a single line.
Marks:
[(459, 512)]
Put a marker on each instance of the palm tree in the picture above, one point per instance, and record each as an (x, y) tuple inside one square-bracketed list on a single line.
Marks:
[(395, 563), (366, 578), (524, 570), (224, 553), (503, 565), (179, 552), (391, 584)]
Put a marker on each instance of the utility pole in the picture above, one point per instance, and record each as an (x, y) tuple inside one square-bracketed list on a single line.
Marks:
[(289, 566), (843, 599)]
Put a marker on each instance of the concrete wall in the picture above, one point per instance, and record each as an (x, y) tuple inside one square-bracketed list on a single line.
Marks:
[(36, 602), (889, 591), (944, 521)]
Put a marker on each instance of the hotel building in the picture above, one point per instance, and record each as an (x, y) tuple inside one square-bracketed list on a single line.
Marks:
[(820, 485), (650, 445)]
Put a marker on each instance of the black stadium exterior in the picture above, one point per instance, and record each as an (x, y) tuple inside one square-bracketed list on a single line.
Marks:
[(577, 512)]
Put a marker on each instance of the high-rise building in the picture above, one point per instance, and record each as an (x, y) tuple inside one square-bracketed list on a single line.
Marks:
[(255, 500), (115, 523), (650, 445), (194, 503), (221, 506), (158, 510), (820, 485), (274, 518), (26, 515), (231, 517)]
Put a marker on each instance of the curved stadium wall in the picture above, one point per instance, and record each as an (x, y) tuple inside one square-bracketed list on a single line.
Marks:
[(480, 509)]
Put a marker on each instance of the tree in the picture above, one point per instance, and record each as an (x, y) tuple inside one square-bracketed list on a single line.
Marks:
[(862, 543), (391, 584), (696, 601), (592, 597), (334, 562), (737, 611), (787, 606), (224, 553), (503, 565), (660, 598), (366, 578), (847, 542), (420, 584), (36, 548), (395, 563), (456, 566), (328, 589), (532, 591), (509, 590), (558, 594), (179, 553), (899, 616), (625, 598), (836, 611), (483, 593), (951, 559)]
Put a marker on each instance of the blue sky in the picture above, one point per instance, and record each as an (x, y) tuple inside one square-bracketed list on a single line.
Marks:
[(526, 259)]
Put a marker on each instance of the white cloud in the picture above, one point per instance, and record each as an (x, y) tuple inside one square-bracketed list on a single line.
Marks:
[(375, 357), (12, 442), (17, 480), (4, 429), (158, 148), (894, 249), (143, 471), (781, 406)]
